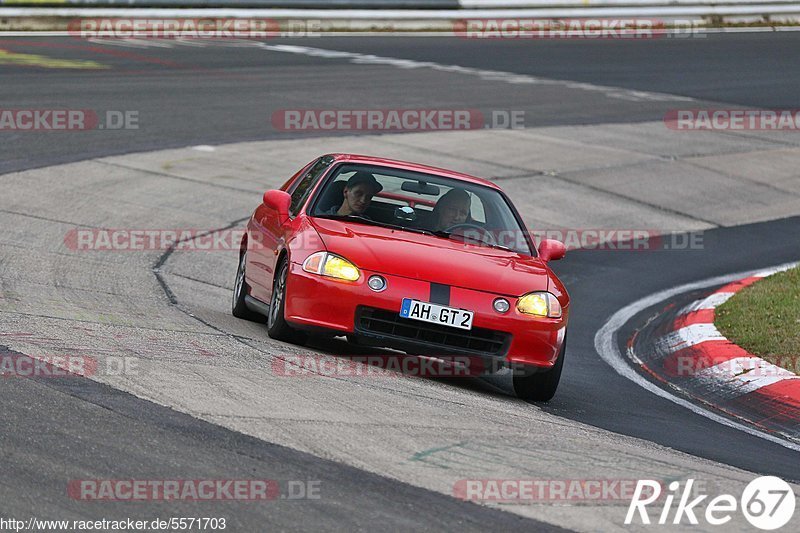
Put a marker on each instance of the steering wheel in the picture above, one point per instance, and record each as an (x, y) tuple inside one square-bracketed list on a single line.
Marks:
[(485, 235)]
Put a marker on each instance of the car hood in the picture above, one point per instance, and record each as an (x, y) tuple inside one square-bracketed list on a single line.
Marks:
[(434, 259)]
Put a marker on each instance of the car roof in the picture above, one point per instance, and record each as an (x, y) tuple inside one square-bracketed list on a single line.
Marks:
[(406, 165)]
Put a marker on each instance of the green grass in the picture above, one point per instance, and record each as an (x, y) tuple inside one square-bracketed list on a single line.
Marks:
[(764, 319)]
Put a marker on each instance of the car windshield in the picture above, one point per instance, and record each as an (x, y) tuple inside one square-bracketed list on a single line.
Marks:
[(422, 203)]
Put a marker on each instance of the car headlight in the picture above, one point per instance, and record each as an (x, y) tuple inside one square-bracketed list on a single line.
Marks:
[(541, 304), (331, 265)]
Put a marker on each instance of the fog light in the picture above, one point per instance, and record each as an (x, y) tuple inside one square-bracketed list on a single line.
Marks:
[(376, 283), (501, 305)]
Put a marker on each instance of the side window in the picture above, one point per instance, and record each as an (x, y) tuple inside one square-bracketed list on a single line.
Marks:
[(306, 183)]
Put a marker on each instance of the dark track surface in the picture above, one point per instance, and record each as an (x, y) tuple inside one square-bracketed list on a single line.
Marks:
[(216, 94), (606, 281), (753, 70)]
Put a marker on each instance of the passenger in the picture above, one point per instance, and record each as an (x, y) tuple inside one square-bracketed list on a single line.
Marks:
[(452, 209), (357, 195)]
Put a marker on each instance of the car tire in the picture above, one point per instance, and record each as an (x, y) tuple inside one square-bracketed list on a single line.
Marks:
[(277, 327), (531, 384), (240, 289)]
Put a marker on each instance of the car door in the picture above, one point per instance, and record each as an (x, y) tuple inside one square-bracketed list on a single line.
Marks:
[(272, 233)]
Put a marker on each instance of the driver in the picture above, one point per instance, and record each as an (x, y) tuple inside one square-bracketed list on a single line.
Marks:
[(357, 194), (451, 209)]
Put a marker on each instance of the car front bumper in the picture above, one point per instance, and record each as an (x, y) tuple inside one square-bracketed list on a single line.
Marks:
[(352, 308)]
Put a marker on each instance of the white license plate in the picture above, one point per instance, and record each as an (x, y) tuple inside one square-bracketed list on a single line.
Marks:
[(436, 314)]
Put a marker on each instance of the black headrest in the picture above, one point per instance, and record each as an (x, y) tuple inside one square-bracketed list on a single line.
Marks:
[(332, 196)]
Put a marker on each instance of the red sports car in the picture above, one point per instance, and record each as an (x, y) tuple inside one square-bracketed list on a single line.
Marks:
[(408, 257)]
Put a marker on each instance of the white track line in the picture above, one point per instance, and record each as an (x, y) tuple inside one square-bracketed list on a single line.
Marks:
[(605, 342), (484, 74)]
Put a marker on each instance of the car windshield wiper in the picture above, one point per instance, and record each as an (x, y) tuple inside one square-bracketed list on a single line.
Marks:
[(448, 235), (361, 218), (501, 247)]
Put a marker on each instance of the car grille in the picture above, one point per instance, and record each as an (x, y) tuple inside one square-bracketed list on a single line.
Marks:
[(389, 324)]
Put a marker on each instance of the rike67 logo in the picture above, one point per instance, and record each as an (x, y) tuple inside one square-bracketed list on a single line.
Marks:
[(767, 503)]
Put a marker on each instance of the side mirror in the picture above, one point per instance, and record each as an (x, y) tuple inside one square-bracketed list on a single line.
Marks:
[(279, 201), (551, 250)]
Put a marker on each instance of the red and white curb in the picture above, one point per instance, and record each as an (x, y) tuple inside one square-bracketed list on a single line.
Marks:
[(731, 405), (687, 352), (715, 358)]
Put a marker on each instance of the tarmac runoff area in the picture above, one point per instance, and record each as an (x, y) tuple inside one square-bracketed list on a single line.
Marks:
[(194, 357)]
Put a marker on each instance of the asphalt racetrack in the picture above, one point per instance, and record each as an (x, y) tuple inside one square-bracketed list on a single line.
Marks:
[(226, 93), (387, 453)]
